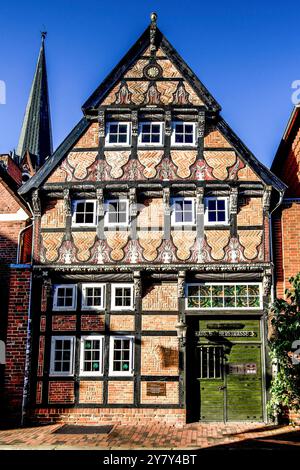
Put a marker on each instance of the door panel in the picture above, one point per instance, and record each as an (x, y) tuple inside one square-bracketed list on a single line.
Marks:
[(211, 382), (244, 387), (231, 387)]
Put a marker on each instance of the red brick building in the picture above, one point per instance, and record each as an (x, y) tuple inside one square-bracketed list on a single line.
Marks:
[(151, 220), (15, 275), (286, 219), (16, 245)]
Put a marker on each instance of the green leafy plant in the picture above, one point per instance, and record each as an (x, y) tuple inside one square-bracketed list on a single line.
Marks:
[(285, 330)]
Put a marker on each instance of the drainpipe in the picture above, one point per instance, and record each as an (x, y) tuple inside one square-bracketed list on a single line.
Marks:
[(28, 335), (274, 364)]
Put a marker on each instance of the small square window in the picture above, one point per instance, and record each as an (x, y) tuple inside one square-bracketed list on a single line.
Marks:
[(121, 355), (122, 296), (92, 296), (62, 355), (84, 213), (183, 211), (117, 133), (150, 133), (216, 210), (91, 355), (64, 297), (183, 133), (116, 212)]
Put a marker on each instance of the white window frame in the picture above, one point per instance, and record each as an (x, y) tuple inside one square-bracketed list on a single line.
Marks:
[(74, 207), (117, 144), (224, 284), (84, 286), (173, 212), (91, 373), (57, 308), (54, 373), (216, 198), (111, 356), (183, 144), (113, 298), (106, 216), (151, 144)]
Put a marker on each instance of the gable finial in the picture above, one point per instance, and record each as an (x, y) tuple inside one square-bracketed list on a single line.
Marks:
[(153, 17)]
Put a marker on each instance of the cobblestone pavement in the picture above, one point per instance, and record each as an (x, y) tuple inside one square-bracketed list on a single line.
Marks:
[(152, 436)]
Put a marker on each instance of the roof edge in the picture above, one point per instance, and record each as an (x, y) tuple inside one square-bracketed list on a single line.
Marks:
[(51, 162)]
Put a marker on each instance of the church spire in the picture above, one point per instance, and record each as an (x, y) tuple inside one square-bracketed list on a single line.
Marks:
[(36, 136)]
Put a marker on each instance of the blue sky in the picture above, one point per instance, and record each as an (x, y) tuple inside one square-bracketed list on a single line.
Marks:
[(246, 53)]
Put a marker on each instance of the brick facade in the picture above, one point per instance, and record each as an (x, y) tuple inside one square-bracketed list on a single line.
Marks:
[(151, 253), (16, 338)]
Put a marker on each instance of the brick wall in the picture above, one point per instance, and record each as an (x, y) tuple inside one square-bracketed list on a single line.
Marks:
[(90, 391), (130, 416), (159, 322), (160, 297), (120, 391), (9, 232), (61, 392), (159, 355), (53, 214), (92, 322), (286, 235), (64, 322), (122, 322), (18, 304)]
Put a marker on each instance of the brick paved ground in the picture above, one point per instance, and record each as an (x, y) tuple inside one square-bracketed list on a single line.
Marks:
[(152, 436)]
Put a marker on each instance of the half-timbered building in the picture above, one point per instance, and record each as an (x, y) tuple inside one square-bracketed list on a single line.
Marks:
[(151, 251)]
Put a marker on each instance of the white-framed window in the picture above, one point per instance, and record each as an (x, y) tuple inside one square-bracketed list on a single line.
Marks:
[(93, 296), (117, 133), (91, 355), (216, 296), (84, 212), (122, 296), (150, 133), (116, 212), (62, 355), (64, 297), (121, 355), (183, 211), (216, 210), (183, 133)]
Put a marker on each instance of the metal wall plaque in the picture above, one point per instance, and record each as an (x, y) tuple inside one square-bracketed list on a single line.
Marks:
[(156, 389), (242, 369)]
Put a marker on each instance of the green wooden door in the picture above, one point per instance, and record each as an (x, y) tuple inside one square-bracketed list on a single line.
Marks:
[(230, 375), (212, 382), (244, 383)]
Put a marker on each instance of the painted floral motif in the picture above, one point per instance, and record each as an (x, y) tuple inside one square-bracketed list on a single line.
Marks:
[(123, 95), (181, 96)]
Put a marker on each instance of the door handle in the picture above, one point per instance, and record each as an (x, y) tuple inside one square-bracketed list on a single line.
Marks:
[(222, 387)]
